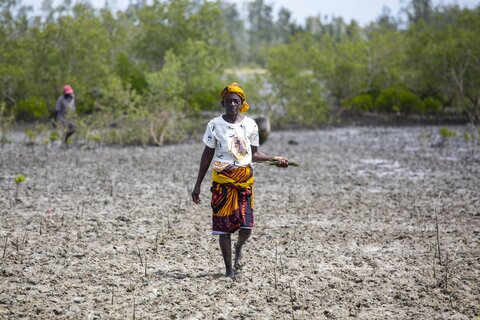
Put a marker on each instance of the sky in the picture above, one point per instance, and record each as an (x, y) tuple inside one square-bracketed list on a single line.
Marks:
[(363, 11)]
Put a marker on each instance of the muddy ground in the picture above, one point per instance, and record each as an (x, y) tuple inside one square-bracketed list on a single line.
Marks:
[(111, 233)]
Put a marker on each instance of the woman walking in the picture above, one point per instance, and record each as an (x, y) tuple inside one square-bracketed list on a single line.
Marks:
[(231, 141)]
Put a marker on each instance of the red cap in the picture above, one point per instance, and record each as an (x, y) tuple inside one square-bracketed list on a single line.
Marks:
[(67, 89)]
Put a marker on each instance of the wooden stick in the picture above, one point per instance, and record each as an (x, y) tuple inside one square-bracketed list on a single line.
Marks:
[(437, 230), (24, 236), (5, 246), (139, 255), (145, 264)]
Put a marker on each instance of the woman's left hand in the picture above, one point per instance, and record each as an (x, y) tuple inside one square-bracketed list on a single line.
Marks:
[(282, 161)]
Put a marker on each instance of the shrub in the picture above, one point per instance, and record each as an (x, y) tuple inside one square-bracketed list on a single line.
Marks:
[(362, 102), (150, 128), (32, 109), (397, 99), (6, 121), (431, 106)]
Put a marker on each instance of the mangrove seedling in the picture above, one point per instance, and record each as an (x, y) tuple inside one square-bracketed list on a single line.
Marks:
[(18, 180), (53, 136), (447, 133), (31, 135)]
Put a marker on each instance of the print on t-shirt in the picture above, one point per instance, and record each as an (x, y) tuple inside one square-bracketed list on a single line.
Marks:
[(238, 147)]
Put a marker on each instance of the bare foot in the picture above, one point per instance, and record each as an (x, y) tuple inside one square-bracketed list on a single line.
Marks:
[(230, 274), (238, 258)]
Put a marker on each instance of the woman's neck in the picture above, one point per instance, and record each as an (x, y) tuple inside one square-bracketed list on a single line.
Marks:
[(233, 118)]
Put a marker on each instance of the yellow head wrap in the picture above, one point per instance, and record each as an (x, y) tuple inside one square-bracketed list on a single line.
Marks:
[(235, 88)]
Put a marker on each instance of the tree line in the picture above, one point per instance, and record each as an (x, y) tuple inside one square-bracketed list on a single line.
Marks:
[(155, 67)]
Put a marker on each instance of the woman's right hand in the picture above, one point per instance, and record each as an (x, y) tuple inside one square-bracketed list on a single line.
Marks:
[(196, 195)]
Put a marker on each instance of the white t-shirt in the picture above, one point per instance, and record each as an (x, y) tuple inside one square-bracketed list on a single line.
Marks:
[(232, 141)]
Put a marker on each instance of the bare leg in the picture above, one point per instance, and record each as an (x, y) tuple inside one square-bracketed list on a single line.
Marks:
[(243, 235), (226, 247)]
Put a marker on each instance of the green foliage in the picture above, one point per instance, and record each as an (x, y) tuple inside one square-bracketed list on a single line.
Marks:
[(201, 73), (419, 10), (72, 49), (6, 121), (116, 100), (33, 108), (235, 29), (362, 102), (96, 138), (132, 76), (158, 64), (53, 136), (165, 86), (447, 133), (31, 135), (159, 115), (169, 25), (431, 106), (260, 33), (393, 100), (81, 127), (397, 99), (301, 92), (20, 179), (349, 75), (189, 81), (385, 59), (443, 58)]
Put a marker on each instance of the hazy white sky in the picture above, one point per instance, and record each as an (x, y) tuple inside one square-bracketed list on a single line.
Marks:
[(364, 11)]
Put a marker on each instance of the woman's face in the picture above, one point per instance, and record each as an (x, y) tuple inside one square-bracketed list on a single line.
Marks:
[(232, 103)]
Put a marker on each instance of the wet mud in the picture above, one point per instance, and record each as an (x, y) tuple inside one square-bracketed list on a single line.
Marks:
[(376, 223)]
